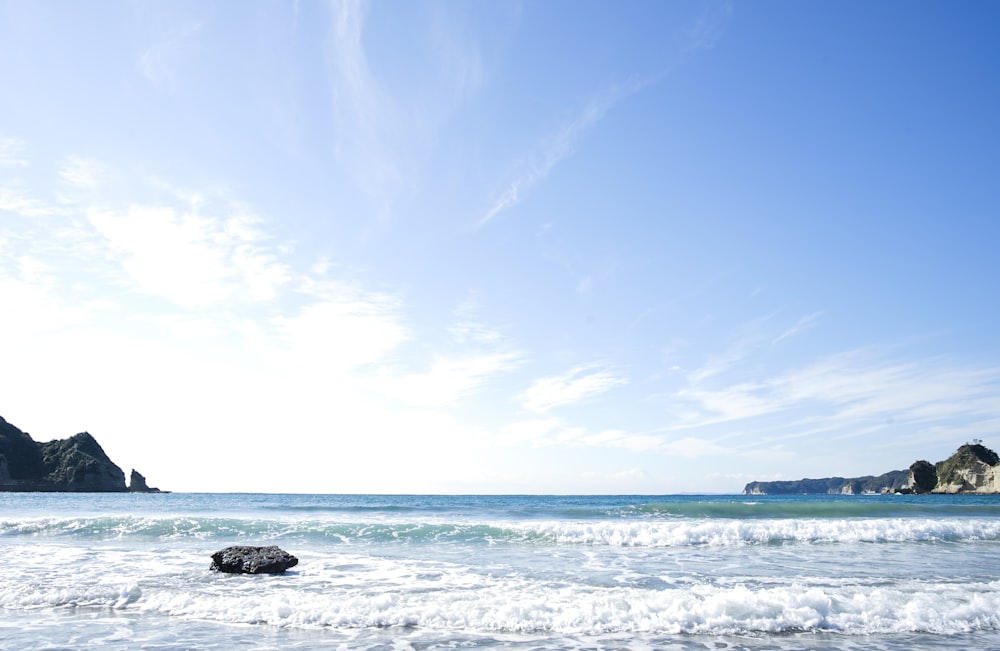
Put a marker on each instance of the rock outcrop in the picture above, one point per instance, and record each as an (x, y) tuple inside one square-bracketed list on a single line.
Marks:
[(76, 464), (923, 477), (80, 464), (252, 560), (973, 468), (886, 483), (137, 484), (20, 456)]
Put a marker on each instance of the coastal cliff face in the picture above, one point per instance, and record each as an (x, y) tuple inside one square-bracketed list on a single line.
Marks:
[(973, 468), (80, 464), (76, 464), (886, 483)]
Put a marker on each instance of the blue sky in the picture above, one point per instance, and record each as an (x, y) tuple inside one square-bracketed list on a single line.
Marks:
[(570, 247)]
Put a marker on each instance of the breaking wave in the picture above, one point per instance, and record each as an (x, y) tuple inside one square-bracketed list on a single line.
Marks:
[(623, 533)]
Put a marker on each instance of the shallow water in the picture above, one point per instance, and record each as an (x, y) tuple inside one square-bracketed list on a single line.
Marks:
[(522, 572)]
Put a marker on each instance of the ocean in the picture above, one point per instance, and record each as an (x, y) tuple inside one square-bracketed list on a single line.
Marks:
[(131, 571)]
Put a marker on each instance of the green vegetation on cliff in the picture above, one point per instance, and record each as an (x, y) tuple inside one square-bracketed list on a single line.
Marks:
[(80, 462), (973, 468), (75, 464), (20, 456), (954, 469), (887, 483)]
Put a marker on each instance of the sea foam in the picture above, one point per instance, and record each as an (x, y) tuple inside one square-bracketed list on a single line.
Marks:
[(627, 533), (512, 606)]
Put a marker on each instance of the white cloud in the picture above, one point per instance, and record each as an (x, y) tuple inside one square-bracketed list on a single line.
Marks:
[(631, 480), (693, 448), (470, 329), (12, 152), (551, 432), (15, 200), (345, 328), (475, 332), (448, 379), (478, 353), (32, 310), (530, 431), (187, 258), (573, 386)]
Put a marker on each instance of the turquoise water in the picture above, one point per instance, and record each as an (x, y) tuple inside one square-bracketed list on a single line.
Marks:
[(521, 572)]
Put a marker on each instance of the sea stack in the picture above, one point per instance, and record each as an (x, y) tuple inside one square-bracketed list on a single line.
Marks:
[(137, 483)]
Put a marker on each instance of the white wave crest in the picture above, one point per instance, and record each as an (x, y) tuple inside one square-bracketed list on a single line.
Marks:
[(741, 532), (523, 607)]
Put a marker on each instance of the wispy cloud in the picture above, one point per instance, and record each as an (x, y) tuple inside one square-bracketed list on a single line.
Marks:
[(752, 337), (469, 327), (556, 147), (853, 391), (757, 390), (449, 378), (577, 384), (616, 478), (477, 353), (12, 152), (383, 127), (16, 200), (344, 327), (365, 116), (82, 173), (709, 27), (549, 431), (803, 324), (457, 59), (160, 61), (705, 33)]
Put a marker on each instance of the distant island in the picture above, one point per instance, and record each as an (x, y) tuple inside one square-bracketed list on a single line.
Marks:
[(77, 464), (973, 468)]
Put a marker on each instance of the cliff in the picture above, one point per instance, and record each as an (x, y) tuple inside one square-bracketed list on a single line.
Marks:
[(889, 482), (76, 464), (973, 468)]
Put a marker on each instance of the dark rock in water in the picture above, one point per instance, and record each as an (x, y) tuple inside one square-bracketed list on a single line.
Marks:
[(137, 484), (253, 560)]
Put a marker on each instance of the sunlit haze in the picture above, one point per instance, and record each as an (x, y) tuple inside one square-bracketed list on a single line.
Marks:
[(501, 247)]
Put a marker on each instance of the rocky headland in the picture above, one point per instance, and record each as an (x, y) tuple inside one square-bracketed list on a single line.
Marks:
[(973, 468), (76, 464)]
